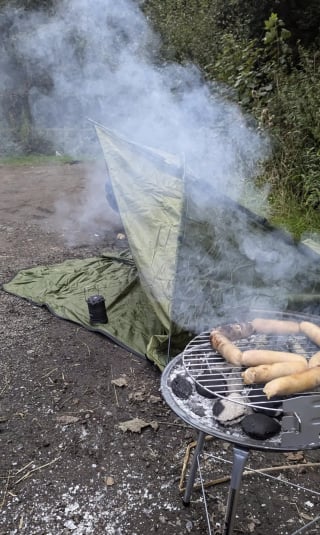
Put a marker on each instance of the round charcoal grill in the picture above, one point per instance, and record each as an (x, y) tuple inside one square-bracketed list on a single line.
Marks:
[(205, 377), (208, 372)]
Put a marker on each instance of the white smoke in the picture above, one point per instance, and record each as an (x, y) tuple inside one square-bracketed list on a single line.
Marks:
[(101, 60)]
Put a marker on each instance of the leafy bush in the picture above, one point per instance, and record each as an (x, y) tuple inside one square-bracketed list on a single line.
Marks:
[(251, 49)]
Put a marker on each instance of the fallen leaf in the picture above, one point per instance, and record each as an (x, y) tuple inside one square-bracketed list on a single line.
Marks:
[(138, 395), (67, 419), (122, 381), (154, 399), (154, 425), (295, 456), (109, 480), (305, 516), (136, 425)]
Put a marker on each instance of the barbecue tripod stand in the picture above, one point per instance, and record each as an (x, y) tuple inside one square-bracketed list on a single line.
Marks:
[(240, 456)]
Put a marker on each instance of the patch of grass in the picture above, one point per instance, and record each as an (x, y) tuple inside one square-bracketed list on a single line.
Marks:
[(35, 159), (295, 218)]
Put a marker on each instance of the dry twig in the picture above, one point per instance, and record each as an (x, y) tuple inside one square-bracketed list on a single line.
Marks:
[(186, 460), (4, 388), (3, 501), (36, 469), (225, 479), (49, 373)]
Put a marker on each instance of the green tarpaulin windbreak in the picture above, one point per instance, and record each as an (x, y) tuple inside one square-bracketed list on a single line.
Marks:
[(195, 258)]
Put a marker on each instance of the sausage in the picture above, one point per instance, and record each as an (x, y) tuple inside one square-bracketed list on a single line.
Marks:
[(267, 372), (311, 330), (268, 326), (314, 360), (235, 331), (293, 384), (255, 357), (226, 348)]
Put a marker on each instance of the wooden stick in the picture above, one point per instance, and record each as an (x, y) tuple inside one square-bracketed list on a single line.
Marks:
[(30, 472), (5, 492), (248, 472), (116, 395), (185, 464), (186, 460), (49, 373)]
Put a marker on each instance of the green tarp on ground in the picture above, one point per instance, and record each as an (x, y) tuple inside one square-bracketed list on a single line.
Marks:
[(64, 288), (196, 258)]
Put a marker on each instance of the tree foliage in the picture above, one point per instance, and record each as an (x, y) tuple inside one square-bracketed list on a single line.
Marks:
[(29, 4), (267, 52)]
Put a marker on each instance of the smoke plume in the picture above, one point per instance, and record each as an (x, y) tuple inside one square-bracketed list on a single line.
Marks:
[(100, 60)]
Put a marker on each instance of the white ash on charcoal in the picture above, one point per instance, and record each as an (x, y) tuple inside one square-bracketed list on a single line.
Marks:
[(216, 412), (231, 410), (234, 407)]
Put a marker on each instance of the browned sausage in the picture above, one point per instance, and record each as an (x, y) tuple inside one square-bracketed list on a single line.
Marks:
[(293, 384), (267, 372), (235, 331), (315, 360), (226, 348)]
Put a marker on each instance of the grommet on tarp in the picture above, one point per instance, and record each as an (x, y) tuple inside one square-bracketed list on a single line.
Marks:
[(97, 309)]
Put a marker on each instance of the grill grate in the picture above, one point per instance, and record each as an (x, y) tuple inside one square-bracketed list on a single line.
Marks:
[(210, 371)]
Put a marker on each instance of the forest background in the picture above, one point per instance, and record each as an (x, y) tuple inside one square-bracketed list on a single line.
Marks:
[(263, 54)]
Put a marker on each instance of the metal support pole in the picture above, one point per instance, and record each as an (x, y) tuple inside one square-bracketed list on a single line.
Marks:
[(239, 460), (193, 468)]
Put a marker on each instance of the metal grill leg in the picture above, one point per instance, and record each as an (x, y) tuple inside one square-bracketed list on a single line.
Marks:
[(239, 460), (193, 468)]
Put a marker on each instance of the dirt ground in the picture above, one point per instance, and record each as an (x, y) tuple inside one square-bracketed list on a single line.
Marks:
[(67, 467)]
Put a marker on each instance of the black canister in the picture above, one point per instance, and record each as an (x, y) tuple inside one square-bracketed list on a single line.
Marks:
[(97, 309)]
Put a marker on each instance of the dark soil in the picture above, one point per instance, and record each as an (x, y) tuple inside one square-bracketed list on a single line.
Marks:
[(66, 465)]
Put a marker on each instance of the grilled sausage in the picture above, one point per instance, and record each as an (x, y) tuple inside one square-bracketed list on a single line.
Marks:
[(315, 360), (226, 348), (311, 330), (235, 331), (268, 326), (255, 357), (267, 372), (293, 384)]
